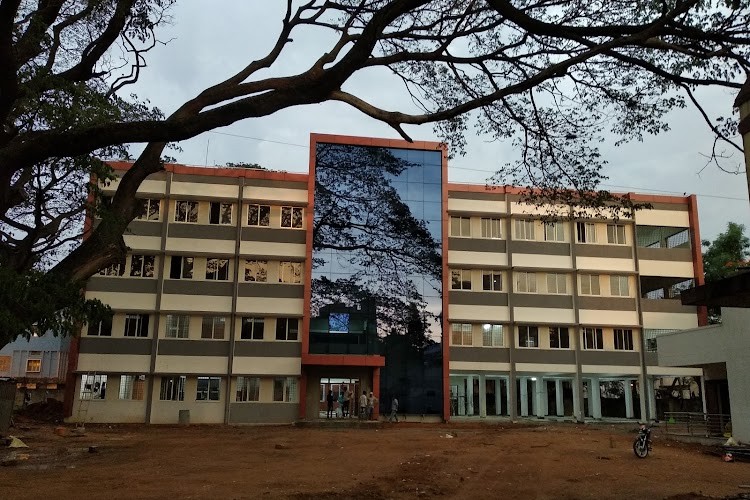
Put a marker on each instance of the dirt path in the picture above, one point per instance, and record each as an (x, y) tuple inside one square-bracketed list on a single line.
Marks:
[(391, 461)]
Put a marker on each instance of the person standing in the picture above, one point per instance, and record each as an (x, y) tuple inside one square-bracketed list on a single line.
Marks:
[(341, 405), (345, 404), (371, 402), (363, 406), (394, 410), (330, 401)]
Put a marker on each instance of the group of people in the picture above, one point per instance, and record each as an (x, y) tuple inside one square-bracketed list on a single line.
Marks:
[(347, 405)]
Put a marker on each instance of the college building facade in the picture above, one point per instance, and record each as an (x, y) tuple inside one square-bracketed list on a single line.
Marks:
[(247, 295)]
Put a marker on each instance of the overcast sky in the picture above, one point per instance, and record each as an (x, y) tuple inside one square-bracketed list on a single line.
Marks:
[(210, 43)]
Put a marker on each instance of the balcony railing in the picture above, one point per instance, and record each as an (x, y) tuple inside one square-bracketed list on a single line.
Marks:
[(697, 424), (345, 343)]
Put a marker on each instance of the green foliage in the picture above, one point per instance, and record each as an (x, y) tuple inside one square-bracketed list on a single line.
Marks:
[(728, 252)]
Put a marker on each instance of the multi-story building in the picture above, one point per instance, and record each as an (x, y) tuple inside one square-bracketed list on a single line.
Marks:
[(247, 295)]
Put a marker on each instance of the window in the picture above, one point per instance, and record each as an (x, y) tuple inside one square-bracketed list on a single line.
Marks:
[(93, 387), (461, 334), (528, 336), (623, 339), (461, 279), (252, 328), (557, 283), (33, 366), (524, 229), (526, 282), (217, 269), (554, 231), (113, 270), (589, 284), (101, 329), (132, 387), (586, 232), (616, 234), (593, 338), (208, 389), (618, 286), (136, 325), (181, 268), (259, 215), (285, 390), (5, 363), (186, 211), (491, 228), (290, 272), (142, 266), (149, 209), (256, 271), (220, 213), (287, 328), (177, 326), (650, 335), (338, 322), (559, 338), (248, 389), (492, 281), (492, 335), (461, 226), (291, 217), (213, 327), (172, 388)]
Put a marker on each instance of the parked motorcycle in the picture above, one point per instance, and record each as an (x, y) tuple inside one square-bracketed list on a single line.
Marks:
[(642, 443)]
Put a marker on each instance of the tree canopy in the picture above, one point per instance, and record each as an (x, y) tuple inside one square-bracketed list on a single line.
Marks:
[(554, 77), (727, 253)]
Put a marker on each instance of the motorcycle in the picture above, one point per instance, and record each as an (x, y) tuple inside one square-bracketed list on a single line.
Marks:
[(642, 443)]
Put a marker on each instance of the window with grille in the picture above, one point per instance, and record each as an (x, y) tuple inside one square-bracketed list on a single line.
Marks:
[(557, 283), (291, 217), (113, 270), (252, 328), (248, 389), (93, 387), (491, 228), (461, 279), (148, 209), (461, 334), (492, 281), (256, 271), (589, 284), (593, 338), (524, 229), (618, 286), (33, 366), (623, 339), (526, 282), (285, 390), (217, 269), (213, 327), (554, 231), (259, 215), (287, 328), (101, 329), (528, 336), (220, 213), (208, 389), (132, 387), (186, 211), (461, 226), (172, 388), (559, 337), (586, 232), (492, 335), (181, 268), (650, 335), (136, 325), (177, 326), (616, 234), (290, 272), (142, 266)]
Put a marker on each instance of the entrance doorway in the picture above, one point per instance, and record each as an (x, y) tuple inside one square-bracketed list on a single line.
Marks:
[(339, 386)]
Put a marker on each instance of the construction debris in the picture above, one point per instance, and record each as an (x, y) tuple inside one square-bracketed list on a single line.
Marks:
[(16, 443)]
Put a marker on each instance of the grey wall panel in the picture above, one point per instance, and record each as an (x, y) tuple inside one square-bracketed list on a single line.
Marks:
[(252, 413), (104, 345), (184, 347)]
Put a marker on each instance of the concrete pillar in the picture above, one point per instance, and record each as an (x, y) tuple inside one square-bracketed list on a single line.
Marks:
[(650, 396), (482, 396), (509, 396), (498, 396), (578, 412), (628, 388), (461, 395), (595, 398), (523, 394), (540, 397), (470, 395), (643, 401), (703, 392), (559, 404)]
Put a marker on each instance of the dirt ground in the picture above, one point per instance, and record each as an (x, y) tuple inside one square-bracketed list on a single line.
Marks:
[(405, 460)]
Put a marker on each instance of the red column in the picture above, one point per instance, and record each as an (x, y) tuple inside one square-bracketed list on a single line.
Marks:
[(376, 391)]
